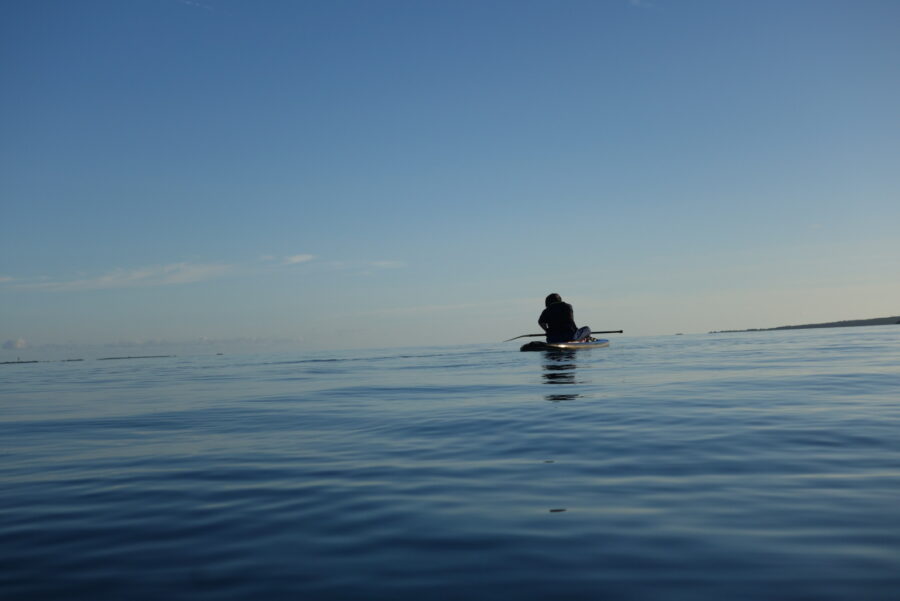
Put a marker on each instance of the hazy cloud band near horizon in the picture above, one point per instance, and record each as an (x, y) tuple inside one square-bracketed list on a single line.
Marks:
[(183, 272)]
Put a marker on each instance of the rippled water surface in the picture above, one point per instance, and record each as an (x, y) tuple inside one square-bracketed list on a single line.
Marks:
[(730, 466)]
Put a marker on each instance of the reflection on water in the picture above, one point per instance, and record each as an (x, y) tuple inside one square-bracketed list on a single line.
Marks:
[(559, 368)]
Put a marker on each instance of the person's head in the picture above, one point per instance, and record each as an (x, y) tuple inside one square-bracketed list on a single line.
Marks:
[(552, 298)]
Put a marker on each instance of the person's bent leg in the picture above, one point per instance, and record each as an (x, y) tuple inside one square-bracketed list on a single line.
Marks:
[(582, 334)]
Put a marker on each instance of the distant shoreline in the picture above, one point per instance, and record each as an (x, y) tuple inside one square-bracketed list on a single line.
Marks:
[(878, 321), (18, 362)]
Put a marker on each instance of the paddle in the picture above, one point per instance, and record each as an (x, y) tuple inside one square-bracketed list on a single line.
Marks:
[(544, 334)]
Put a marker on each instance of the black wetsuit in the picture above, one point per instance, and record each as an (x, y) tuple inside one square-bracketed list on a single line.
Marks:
[(560, 321)]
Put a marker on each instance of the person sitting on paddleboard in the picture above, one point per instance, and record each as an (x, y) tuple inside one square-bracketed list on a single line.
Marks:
[(558, 321)]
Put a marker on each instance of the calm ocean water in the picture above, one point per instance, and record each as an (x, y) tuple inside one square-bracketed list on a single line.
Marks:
[(759, 466)]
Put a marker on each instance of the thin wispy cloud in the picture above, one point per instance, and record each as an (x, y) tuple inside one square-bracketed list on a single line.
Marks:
[(289, 259), (159, 275), (295, 259), (182, 273), (373, 268), (495, 304), (196, 4), (388, 264)]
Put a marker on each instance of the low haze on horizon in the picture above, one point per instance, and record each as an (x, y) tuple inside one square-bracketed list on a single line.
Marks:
[(405, 173)]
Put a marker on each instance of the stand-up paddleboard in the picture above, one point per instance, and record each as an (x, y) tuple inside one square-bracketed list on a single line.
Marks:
[(564, 346)]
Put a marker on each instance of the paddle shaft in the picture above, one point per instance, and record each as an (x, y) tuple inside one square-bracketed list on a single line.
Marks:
[(544, 334)]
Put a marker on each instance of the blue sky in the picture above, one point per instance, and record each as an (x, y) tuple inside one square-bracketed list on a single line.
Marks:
[(392, 173)]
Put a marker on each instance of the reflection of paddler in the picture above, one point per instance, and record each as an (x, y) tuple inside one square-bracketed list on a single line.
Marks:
[(559, 368), (558, 321), (564, 375)]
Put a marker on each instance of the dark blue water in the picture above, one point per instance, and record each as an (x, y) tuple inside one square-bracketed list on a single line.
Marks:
[(719, 467)]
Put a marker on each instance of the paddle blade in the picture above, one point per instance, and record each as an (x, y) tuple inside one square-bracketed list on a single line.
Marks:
[(524, 336)]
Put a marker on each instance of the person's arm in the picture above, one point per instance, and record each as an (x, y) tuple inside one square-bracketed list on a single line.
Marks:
[(542, 321)]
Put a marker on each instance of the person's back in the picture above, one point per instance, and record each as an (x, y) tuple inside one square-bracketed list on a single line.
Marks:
[(557, 319)]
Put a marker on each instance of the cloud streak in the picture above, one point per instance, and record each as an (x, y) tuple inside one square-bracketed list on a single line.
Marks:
[(450, 308), (160, 275), (388, 264), (177, 273), (295, 259), (196, 4)]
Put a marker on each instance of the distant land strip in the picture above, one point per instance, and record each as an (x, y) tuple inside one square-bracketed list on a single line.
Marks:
[(878, 321), (71, 360), (141, 357)]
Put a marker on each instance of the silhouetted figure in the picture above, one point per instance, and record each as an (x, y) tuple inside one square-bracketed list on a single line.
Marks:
[(558, 321)]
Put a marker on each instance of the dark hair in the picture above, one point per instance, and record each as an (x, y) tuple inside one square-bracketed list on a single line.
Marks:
[(552, 298)]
